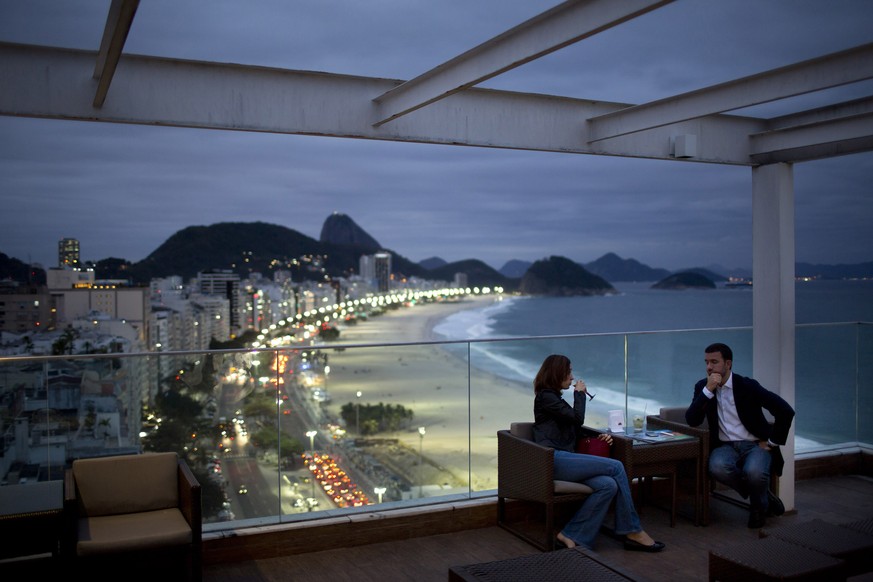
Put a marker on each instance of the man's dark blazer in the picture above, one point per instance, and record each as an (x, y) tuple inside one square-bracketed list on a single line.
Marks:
[(751, 399)]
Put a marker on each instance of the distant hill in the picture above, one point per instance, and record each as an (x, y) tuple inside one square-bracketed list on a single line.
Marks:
[(261, 247), (613, 268), (14, 270), (478, 274), (706, 273), (432, 263), (560, 276), (685, 280), (247, 247), (340, 229), (515, 269)]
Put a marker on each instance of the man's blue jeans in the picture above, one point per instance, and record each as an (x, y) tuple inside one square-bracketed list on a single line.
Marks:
[(745, 467), (608, 479)]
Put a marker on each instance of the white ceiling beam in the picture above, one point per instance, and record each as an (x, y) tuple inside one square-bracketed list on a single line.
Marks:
[(832, 112), (56, 83), (550, 31), (810, 141), (832, 70), (118, 22)]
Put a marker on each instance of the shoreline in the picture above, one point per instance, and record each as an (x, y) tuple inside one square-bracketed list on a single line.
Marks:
[(461, 407), (432, 382)]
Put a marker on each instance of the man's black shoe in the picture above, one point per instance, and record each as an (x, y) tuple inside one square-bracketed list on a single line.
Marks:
[(756, 519), (775, 506)]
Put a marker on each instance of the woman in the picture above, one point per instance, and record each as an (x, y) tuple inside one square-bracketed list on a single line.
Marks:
[(558, 425)]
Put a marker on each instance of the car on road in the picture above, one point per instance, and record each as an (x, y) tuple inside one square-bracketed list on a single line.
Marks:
[(243, 490)]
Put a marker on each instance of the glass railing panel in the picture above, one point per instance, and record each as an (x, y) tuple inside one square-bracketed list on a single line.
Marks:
[(826, 386), (244, 417), (663, 367), (864, 384), (501, 380), (382, 424)]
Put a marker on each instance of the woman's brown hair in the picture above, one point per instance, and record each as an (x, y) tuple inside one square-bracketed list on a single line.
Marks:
[(552, 374)]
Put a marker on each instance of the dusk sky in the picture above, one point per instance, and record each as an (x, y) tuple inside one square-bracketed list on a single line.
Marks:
[(123, 190)]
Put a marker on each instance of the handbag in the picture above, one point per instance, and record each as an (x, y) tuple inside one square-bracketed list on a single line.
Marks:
[(592, 446)]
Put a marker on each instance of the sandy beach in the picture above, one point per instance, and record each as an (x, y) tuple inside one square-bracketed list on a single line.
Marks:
[(433, 380)]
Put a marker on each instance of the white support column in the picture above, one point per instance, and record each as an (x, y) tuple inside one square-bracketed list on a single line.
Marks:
[(773, 316)]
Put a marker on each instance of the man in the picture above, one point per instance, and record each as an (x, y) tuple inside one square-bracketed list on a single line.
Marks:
[(747, 447)]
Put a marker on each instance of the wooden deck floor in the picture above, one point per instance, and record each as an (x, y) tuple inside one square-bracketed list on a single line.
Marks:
[(428, 558)]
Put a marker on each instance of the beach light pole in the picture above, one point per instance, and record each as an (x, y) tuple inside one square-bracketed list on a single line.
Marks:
[(421, 432), (311, 434), (358, 414), (379, 491)]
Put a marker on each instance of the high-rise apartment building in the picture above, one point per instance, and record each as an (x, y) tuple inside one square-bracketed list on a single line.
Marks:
[(376, 269), (382, 263), (68, 253), (223, 283)]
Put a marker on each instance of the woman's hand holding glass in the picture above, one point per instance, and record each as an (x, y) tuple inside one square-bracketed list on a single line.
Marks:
[(579, 386)]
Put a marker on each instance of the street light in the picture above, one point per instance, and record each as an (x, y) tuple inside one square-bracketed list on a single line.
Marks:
[(379, 491), (358, 414), (421, 431), (311, 434)]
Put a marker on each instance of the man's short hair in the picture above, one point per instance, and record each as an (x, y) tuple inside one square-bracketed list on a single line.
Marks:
[(723, 349)]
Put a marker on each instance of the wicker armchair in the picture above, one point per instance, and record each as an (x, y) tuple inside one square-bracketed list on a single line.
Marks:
[(525, 471)]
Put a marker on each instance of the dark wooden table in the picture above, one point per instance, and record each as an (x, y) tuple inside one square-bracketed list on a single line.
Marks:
[(646, 456)]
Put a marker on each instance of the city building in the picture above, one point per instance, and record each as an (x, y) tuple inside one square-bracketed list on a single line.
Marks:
[(223, 283), (68, 253)]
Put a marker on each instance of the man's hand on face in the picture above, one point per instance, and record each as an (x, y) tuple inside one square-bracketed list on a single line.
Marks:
[(713, 381)]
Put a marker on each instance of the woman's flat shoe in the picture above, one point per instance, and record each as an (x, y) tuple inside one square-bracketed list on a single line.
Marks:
[(638, 547)]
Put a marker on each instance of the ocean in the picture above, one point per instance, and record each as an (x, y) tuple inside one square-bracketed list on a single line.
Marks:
[(656, 377)]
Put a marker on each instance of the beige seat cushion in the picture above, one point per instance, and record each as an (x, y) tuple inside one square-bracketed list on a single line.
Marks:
[(126, 483), (132, 532), (524, 430)]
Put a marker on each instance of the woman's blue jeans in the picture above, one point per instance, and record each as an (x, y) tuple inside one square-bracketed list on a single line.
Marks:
[(744, 467), (608, 480)]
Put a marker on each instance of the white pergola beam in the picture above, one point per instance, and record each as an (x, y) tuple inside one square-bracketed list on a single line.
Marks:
[(550, 31), (851, 134), (118, 22), (56, 83), (832, 70)]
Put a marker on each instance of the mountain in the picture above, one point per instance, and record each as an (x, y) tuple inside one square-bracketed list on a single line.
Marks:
[(247, 247), (478, 274), (560, 276), (340, 229), (432, 263), (729, 273), (613, 268), (706, 273), (515, 269), (261, 247), (685, 280), (14, 270)]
